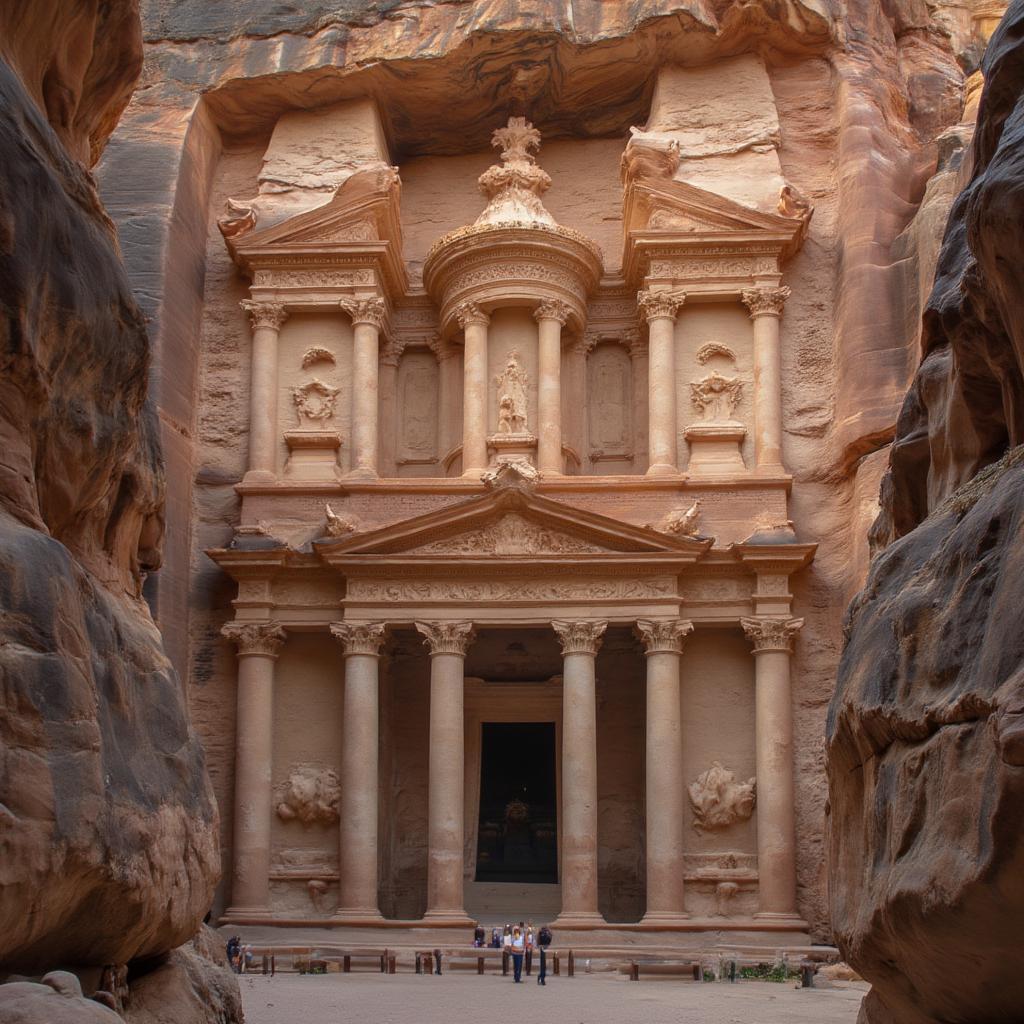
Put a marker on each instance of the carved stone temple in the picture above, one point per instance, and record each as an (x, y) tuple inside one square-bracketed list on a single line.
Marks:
[(514, 562)]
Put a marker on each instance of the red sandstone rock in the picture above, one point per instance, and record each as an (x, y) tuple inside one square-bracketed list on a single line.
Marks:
[(926, 787)]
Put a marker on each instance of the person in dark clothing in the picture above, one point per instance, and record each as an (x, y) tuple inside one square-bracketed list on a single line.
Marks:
[(543, 941)]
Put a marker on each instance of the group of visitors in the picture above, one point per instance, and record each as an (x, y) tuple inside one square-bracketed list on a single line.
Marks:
[(519, 941), (240, 958)]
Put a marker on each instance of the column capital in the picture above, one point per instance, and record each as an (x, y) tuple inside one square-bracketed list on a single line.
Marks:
[(663, 636), (447, 637), (442, 348), (771, 634), (470, 313), (265, 314), (765, 301), (365, 311), (553, 309), (580, 637), (359, 638), (391, 353), (653, 305), (263, 638)]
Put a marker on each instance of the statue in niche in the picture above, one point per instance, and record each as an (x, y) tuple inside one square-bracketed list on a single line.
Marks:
[(609, 411), (716, 397), (419, 411), (718, 800), (512, 383)]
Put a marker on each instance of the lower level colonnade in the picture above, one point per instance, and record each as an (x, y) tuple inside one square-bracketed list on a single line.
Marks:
[(259, 643)]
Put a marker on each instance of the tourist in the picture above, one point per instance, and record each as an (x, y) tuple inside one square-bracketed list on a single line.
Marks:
[(543, 941), (518, 948), (234, 948)]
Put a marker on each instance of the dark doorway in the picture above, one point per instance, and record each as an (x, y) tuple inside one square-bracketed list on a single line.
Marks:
[(518, 837)]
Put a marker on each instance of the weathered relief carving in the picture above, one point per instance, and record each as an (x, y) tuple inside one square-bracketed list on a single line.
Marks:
[(516, 473), (793, 203), (339, 525), (309, 795), (715, 350), (609, 407), (511, 590), (512, 383), (317, 889), (314, 401), (239, 218), (317, 354), (417, 388), (718, 800), (716, 397), (312, 278), (682, 522), (511, 535)]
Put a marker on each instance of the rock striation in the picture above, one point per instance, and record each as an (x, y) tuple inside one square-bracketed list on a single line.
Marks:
[(926, 728), (108, 827)]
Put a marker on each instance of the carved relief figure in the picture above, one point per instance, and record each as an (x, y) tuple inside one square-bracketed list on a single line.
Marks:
[(610, 389), (314, 401), (681, 521), (718, 800), (339, 525), (309, 795), (512, 383), (716, 397)]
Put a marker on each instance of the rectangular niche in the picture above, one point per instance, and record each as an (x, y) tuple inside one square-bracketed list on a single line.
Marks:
[(418, 407), (610, 446)]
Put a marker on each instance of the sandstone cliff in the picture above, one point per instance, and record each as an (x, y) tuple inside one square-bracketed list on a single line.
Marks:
[(926, 745), (108, 827)]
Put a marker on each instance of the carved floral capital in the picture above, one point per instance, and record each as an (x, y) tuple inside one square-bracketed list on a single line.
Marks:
[(365, 311), (264, 638), (771, 634), (447, 637), (664, 636), (553, 309), (659, 304), (470, 313), (359, 638), (265, 314), (580, 637), (765, 301)]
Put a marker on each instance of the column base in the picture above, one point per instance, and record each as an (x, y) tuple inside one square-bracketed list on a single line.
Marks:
[(579, 919), (663, 918), (246, 915), (779, 917), (258, 477), (361, 473), (663, 469), (358, 915), (448, 917)]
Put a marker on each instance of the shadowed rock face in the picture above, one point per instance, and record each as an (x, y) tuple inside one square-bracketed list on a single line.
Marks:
[(926, 729), (108, 846)]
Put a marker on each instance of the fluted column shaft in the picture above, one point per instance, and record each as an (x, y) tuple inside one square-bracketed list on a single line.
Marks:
[(267, 318), (580, 643), (660, 311), (663, 644), (765, 305), (550, 317), (258, 645), (474, 323), (776, 811), (447, 643), (358, 853), (367, 320)]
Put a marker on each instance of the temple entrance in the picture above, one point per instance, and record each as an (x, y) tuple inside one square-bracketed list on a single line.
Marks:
[(518, 833)]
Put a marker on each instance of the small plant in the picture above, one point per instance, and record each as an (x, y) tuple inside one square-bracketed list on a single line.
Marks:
[(768, 972)]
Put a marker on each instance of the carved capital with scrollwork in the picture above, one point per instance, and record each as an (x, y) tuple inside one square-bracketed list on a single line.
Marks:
[(441, 348), (359, 637), (580, 637), (653, 305), (447, 637), (265, 314), (765, 301), (663, 636), (553, 309), (771, 634), (365, 311), (391, 353), (262, 638), (470, 313)]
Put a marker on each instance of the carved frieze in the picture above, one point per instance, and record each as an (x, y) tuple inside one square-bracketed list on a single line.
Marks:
[(283, 278), (309, 795), (600, 589), (768, 634), (260, 638), (718, 800), (582, 636), (447, 637), (360, 637)]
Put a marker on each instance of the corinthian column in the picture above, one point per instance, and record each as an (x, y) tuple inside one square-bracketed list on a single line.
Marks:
[(267, 318), (367, 320), (448, 642), (663, 644), (551, 318), (580, 642), (474, 322), (765, 306), (357, 889), (660, 309), (776, 814), (258, 645)]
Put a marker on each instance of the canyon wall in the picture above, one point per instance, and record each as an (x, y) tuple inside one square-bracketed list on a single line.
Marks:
[(925, 735), (108, 825)]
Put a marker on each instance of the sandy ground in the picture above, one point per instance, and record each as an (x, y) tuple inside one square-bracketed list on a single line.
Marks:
[(370, 998)]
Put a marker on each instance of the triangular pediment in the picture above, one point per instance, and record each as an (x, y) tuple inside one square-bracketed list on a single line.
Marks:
[(512, 524)]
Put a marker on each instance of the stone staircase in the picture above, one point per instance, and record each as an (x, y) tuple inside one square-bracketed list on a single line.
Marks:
[(495, 903)]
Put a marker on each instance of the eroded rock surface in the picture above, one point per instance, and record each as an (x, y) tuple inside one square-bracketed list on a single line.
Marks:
[(108, 845), (926, 756)]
